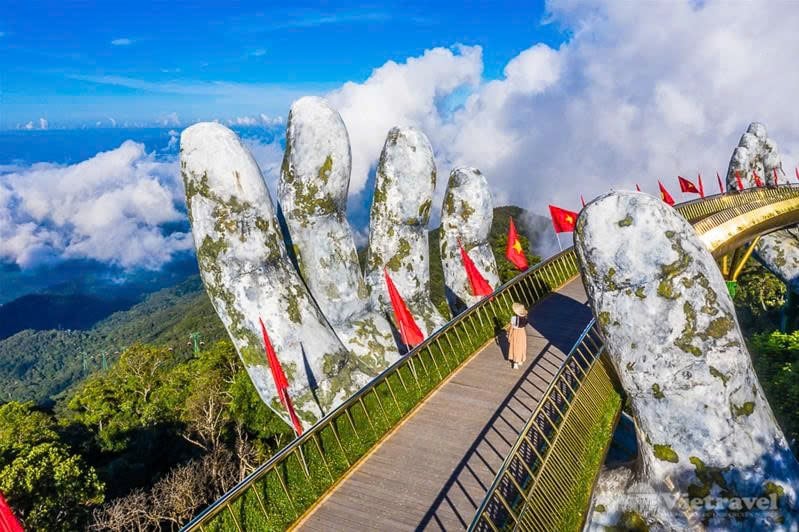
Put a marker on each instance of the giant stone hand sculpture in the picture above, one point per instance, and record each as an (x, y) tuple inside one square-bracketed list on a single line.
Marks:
[(704, 426), (248, 276), (404, 184), (778, 251), (314, 182), (466, 217), (755, 152), (326, 321)]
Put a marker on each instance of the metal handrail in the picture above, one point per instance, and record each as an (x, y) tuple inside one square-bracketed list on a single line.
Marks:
[(528, 427), (530, 286)]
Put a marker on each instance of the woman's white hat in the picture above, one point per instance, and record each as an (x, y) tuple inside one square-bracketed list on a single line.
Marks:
[(519, 309)]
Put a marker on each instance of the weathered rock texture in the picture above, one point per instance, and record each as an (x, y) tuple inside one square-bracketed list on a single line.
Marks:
[(704, 426), (779, 252), (404, 184), (755, 152), (248, 275), (314, 182), (466, 216)]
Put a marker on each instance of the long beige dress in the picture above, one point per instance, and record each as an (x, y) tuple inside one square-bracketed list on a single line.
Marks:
[(517, 338)]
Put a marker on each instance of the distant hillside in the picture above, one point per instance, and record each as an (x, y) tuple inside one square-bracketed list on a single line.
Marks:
[(40, 365), (56, 311)]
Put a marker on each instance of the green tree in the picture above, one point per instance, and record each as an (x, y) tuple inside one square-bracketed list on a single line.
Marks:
[(49, 488), (775, 356), (759, 297), (21, 427), (128, 397)]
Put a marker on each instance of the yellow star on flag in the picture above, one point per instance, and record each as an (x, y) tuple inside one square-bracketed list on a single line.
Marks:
[(517, 246)]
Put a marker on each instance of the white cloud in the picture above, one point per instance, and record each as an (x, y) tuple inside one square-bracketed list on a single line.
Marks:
[(109, 208), (244, 121), (271, 121), (401, 94), (170, 119), (43, 123), (639, 91), (122, 42)]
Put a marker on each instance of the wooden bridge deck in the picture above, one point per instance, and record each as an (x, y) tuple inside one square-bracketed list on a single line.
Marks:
[(434, 471)]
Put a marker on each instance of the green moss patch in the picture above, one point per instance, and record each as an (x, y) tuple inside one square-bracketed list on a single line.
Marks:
[(665, 453)]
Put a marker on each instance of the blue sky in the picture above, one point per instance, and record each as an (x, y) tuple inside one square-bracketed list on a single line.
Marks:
[(77, 63)]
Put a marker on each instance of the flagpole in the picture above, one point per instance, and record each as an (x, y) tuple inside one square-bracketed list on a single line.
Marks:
[(558, 239)]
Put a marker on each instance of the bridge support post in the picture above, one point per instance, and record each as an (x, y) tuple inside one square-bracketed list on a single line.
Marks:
[(739, 259), (745, 257)]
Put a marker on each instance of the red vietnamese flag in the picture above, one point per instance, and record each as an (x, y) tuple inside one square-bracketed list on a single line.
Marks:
[(687, 186), (664, 194), (637, 187), (477, 282), (758, 182), (411, 335), (776, 179), (562, 220), (281, 382), (739, 180), (8, 523), (514, 252), (701, 186), (797, 173), (721, 187)]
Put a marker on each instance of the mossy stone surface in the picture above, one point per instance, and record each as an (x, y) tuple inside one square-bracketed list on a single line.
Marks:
[(398, 242), (702, 420), (313, 188), (466, 217), (249, 278)]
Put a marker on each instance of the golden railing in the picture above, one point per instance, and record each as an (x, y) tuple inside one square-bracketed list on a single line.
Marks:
[(697, 209), (545, 483), (279, 492)]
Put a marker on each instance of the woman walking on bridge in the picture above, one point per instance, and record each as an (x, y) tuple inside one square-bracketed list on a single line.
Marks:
[(517, 336)]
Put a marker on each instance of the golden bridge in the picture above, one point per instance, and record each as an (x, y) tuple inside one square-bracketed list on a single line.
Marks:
[(450, 437)]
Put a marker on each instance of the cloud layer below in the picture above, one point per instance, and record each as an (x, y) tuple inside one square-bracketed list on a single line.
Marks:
[(110, 208)]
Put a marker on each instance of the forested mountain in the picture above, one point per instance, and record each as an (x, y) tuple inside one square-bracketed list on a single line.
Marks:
[(38, 365), (56, 311)]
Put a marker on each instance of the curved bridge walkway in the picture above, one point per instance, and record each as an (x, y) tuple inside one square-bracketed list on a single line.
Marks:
[(434, 470)]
